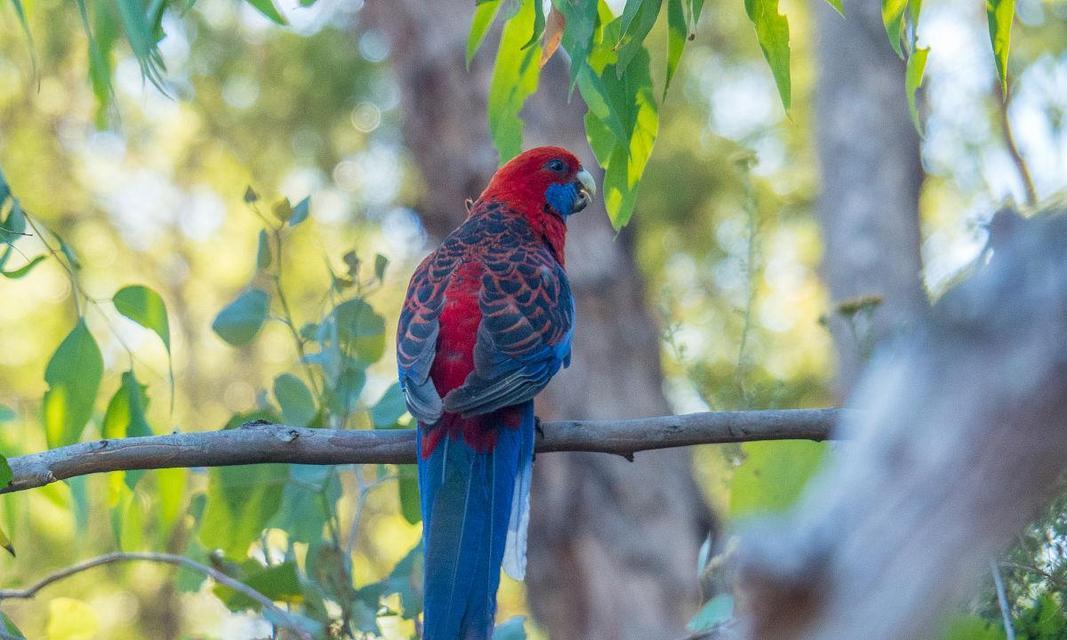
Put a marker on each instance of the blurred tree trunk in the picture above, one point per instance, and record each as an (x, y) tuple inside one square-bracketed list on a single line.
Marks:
[(871, 175), (613, 544)]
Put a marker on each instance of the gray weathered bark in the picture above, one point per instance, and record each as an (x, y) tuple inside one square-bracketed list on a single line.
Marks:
[(871, 175), (959, 437), (613, 544)]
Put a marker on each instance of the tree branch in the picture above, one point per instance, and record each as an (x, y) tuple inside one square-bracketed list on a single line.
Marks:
[(278, 616), (263, 443)]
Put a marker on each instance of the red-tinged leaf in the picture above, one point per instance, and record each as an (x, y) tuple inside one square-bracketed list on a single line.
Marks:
[(553, 35)]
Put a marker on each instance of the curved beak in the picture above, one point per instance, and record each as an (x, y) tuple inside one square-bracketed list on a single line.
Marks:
[(586, 189)]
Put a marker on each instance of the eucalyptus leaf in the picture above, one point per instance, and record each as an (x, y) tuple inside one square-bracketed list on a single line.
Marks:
[(24, 270), (240, 502), (514, 79), (73, 376), (772, 32), (484, 15), (913, 79), (300, 212), (267, 8), (1000, 15), (145, 307), (298, 406), (263, 252), (242, 319)]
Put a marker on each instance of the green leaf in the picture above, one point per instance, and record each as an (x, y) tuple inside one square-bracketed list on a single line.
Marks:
[(240, 501), (638, 18), (73, 376), (7, 414), (170, 500), (128, 520), (677, 36), (250, 195), (404, 580), (20, 12), (145, 307), (263, 253), (972, 627), (5, 542), (408, 488), (360, 331), (514, 79), (142, 40), (70, 619), (715, 611), (380, 263), (695, 7), (300, 211), (9, 627), (632, 97), (484, 15), (772, 475), (344, 393), (838, 6), (125, 415), (539, 25), (580, 19), (913, 79), (267, 8), (772, 32), (1001, 14), (513, 629), (282, 209), (5, 472), (298, 407), (99, 61), (24, 269), (12, 228), (304, 501), (389, 408), (242, 319), (280, 583), (893, 19)]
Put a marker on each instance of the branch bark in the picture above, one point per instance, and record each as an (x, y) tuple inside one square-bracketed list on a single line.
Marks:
[(265, 443), (278, 616), (958, 439)]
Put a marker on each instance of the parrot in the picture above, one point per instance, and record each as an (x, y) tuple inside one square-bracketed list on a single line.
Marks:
[(486, 323)]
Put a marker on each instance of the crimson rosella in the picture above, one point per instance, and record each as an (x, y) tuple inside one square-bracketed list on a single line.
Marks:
[(487, 321)]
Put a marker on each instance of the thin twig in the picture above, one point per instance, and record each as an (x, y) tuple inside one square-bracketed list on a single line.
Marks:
[(1013, 148), (361, 501), (1002, 600), (282, 618), (263, 443)]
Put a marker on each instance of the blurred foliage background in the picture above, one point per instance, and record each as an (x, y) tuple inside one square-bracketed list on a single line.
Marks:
[(152, 190)]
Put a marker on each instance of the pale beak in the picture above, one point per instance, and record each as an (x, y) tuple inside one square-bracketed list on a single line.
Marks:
[(586, 190)]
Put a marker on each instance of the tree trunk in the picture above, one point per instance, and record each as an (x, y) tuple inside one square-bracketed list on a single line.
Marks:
[(613, 544), (871, 174)]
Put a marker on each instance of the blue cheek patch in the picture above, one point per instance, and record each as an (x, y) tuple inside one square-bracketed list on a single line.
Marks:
[(561, 196)]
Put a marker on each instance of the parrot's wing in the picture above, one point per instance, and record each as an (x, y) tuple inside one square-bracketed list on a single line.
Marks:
[(524, 336), (416, 340)]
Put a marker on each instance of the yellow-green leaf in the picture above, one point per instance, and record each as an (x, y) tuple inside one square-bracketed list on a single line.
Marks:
[(893, 19), (73, 376), (514, 79), (838, 6), (677, 36), (484, 15), (240, 501), (772, 32), (267, 8), (5, 542), (1001, 14), (913, 79), (70, 619), (772, 475), (145, 307)]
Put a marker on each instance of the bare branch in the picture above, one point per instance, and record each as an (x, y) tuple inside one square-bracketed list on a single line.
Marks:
[(263, 443), (279, 616)]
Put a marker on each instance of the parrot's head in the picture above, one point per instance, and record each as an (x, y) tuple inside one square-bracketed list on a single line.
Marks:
[(543, 181)]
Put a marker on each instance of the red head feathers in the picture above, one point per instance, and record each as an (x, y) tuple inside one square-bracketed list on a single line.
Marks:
[(545, 184)]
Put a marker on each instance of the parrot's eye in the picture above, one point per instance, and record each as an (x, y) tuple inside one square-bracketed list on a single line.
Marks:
[(557, 165)]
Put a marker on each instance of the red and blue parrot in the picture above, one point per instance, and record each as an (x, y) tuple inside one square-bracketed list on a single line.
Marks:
[(487, 322)]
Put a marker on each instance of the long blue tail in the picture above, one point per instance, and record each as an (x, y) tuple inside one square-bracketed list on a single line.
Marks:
[(469, 502)]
